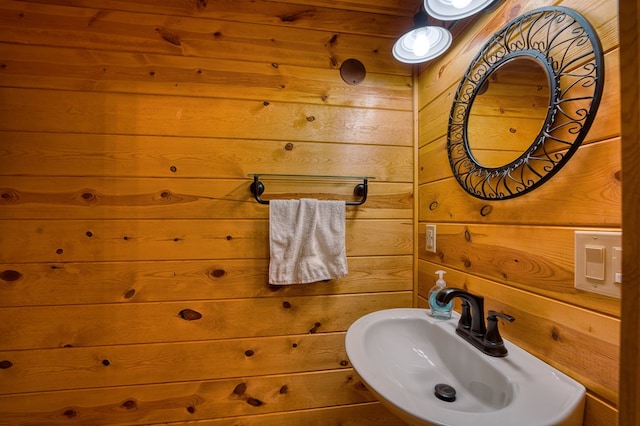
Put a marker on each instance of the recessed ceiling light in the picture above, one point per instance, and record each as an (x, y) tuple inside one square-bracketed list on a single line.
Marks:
[(422, 44), (451, 10)]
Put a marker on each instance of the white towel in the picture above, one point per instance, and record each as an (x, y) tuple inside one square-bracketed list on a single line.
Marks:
[(307, 241)]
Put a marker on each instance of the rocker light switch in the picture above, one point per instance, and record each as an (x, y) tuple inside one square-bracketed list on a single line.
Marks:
[(594, 262), (617, 265), (597, 266)]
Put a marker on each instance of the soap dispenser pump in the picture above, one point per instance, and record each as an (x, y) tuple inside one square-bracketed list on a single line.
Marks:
[(437, 310)]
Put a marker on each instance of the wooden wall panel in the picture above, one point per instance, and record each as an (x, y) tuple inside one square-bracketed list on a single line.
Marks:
[(134, 259), (124, 114), (106, 71), (217, 36), (208, 403), (131, 323), (82, 155), (71, 283), (207, 399), (519, 253), (537, 259), (630, 93), (73, 241), (579, 195)]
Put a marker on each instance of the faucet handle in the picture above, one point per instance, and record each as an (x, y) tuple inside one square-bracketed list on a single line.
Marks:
[(493, 335), (465, 316), (495, 314)]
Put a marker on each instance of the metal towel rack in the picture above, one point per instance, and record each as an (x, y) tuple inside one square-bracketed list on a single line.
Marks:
[(360, 190)]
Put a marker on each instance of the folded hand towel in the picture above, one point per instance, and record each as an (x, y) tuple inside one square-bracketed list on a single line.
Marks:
[(307, 241)]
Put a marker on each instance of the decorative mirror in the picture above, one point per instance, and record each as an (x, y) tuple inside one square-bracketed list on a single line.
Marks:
[(525, 104)]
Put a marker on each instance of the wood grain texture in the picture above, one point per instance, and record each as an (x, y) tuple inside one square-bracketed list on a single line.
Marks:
[(630, 95), (82, 155), (109, 240), (206, 399), (217, 279), (583, 193), (97, 198), (106, 71), (519, 253), (535, 259), (599, 412), (118, 113), (216, 36), (134, 258), (130, 323)]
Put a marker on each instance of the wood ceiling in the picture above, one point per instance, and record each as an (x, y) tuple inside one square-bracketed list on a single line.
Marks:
[(406, 8)]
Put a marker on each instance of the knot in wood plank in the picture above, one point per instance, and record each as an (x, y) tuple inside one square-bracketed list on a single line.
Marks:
[(486, 210), (9, 196), (89, 196), (332, 41), (315, 327), (190, 315), (10, 275), (240, 389), (130, 404), (169, 36), (201, 5), (70, 413), (254, 402), (218, 273), (293, 17)]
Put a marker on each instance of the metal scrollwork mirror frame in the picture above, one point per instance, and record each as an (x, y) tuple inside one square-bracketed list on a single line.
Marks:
[(568, 48)]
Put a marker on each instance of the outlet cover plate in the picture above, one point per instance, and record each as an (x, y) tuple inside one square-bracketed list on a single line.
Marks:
[(431, 238)]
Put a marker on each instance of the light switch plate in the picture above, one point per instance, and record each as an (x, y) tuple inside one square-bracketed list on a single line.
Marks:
[(431, 238), (597, 262)]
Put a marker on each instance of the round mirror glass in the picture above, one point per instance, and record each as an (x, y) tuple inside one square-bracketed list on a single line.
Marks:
[(508, 112)]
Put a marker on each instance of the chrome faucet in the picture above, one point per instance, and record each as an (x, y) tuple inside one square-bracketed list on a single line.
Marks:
[(471, 326)]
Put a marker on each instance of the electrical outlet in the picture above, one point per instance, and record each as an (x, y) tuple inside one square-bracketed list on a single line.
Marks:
[(431, 238)]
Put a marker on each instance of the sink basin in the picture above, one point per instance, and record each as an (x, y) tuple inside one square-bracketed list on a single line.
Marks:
[(402, 354)]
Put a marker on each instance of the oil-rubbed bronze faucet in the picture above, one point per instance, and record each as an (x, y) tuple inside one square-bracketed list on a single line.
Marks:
[(471, 326)]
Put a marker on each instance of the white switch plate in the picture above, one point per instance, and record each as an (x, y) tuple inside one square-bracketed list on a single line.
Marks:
[(598, 258), (431, 238)]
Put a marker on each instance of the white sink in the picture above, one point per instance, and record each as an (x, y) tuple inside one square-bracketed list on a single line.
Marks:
[(402, 354)]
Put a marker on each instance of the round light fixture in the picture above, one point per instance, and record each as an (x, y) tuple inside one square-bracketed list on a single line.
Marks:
[(451, 10), (422, 44)]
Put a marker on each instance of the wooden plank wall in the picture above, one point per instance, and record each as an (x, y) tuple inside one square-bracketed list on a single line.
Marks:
[(519, 253), (630, 112), (133, 258)]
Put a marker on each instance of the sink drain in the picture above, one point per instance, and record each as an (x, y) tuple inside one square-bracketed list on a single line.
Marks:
[(445, 392)]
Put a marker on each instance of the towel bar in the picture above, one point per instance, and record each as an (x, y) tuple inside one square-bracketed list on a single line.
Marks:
[(360, 190)]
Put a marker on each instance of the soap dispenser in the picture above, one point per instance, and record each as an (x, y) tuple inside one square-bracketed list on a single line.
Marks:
[(437, 310)]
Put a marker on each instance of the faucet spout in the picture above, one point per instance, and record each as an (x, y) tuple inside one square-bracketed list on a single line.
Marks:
[(478, 327)]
